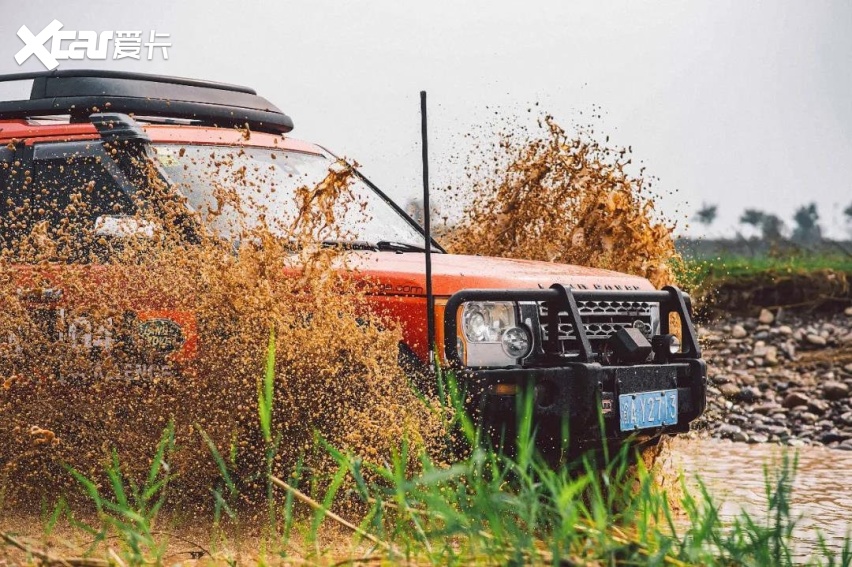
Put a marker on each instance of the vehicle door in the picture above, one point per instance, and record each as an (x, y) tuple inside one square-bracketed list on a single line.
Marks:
[(69, 212)]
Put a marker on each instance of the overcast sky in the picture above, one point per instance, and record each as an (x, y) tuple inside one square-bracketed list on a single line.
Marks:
[(739, 104)]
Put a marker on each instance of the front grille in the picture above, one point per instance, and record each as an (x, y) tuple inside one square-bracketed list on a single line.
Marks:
[(600, 319)]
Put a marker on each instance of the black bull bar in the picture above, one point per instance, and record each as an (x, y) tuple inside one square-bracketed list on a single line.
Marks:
[(588, 380), (560, 298)]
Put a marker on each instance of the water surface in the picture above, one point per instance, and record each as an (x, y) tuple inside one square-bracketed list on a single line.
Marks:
[(734, 474)]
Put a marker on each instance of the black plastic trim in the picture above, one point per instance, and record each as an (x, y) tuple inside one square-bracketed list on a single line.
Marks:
[(82, 93)]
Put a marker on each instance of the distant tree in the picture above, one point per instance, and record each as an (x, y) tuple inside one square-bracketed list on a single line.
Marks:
[(807, 229), (848, 212), (771, 226), (707, 214), (753, 217)]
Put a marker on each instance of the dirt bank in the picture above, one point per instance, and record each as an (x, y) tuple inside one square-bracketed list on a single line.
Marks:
[(822, 290)]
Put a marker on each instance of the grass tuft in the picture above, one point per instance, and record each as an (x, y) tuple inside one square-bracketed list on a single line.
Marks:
[(490, 506)]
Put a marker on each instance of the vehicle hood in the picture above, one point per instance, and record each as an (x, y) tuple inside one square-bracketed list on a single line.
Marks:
[(404, 274)]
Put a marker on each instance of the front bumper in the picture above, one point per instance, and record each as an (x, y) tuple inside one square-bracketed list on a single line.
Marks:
[(577, 394), (577, 389)]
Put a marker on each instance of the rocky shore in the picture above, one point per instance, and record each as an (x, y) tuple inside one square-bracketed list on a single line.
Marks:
[(781, 377)]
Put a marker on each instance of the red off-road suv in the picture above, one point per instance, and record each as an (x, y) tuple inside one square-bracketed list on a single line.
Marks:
[(589, 342)]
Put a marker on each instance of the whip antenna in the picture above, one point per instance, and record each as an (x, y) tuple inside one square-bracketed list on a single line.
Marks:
[(427, 228)]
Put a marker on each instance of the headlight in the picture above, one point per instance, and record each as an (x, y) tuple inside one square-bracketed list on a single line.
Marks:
[(492, 334), (485, 322)]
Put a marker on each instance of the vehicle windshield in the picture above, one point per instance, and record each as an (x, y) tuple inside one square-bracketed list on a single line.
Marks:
[(238, 189)]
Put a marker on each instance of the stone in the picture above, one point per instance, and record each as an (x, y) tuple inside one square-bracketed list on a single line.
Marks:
[(816, 340), (749, 394), (746, 379), (833, 436), (818, 407), (740, 437), (794, 399), (771, 356), (848, 311), (759, 348), (737, 419), (766, 317), (727, 431), (807, 417), (758, 438), (729, 390), (833, 390), (765, 408), (785, 330), (778, 430), (738, 332), (848, 368)]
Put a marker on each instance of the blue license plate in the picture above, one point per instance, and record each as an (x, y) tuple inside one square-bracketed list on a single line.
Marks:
[(647, 409)]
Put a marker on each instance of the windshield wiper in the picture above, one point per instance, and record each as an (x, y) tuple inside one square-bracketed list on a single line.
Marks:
[(350, 245), (386, 245), (380, 246)]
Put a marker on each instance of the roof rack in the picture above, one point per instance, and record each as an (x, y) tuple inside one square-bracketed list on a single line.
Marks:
[(80, 93)]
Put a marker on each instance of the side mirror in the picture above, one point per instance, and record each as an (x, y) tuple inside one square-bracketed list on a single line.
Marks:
[(124, 226)]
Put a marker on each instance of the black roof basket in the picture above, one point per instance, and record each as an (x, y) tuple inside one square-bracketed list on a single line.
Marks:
[(80, 93)]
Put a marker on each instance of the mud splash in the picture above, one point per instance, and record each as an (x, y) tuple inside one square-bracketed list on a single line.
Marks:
[(111, 332), (547, 195), (122, 313)]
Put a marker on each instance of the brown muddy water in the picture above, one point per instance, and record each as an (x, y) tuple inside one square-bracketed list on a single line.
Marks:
[(734, 476)]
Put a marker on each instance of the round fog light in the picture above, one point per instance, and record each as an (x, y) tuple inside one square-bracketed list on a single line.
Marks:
[(674, 345), (516, 342)]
